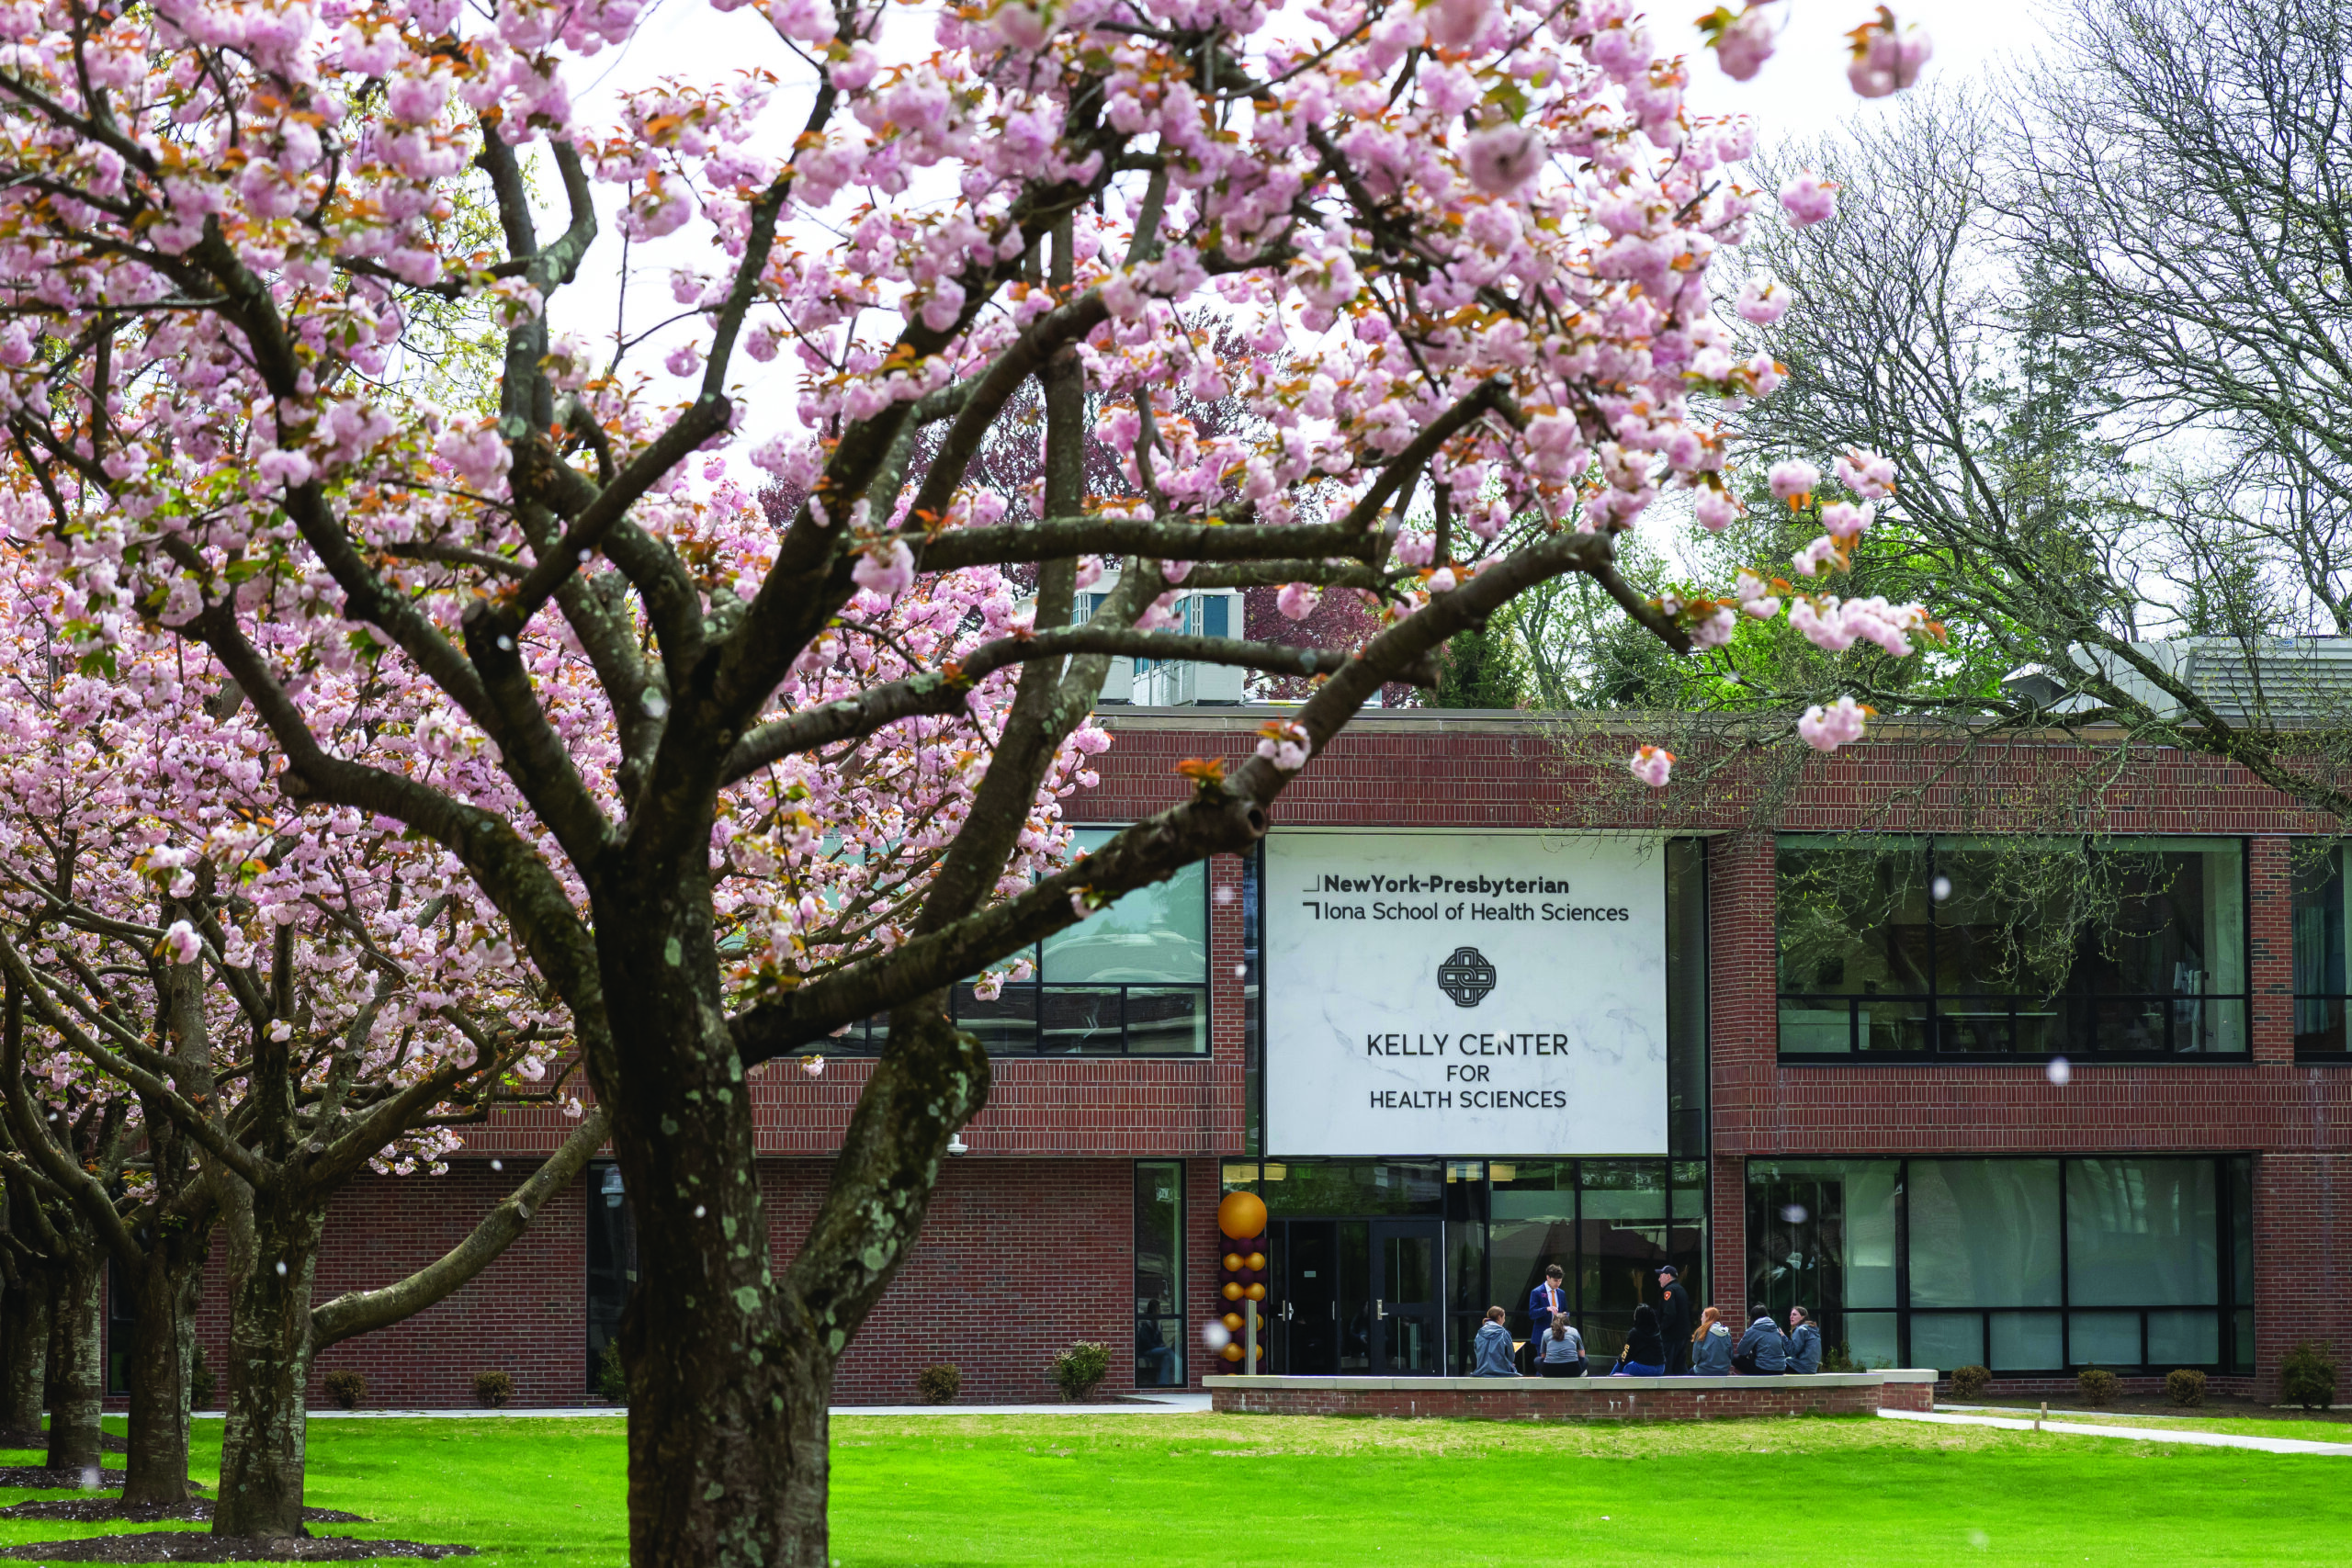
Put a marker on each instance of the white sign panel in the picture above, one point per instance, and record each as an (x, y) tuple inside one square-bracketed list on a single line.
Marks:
[(1465, 994)]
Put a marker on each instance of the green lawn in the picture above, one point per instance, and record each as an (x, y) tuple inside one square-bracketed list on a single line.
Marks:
[(2309, 1429), (1177, 1492)]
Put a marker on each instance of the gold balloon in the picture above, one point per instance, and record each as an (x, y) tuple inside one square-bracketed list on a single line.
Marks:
[(1255, 1292), (1232, 1291), (1241, 1215), (1233, 1321), (1233, 1352), (1257, 1260), (1233, 1263)]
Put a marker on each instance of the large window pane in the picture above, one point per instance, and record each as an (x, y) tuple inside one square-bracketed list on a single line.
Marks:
[(1853, 916), (1531, 1221), (1165, 1020), (1945, 1340), (1623, 1234), (1160, 1273), (2184, 1339), (1821, 1235), (2319, 928), (1154, 934), (1870, 1338), (2026, 1342), (2142, 1233), (2104, 1338), (1686, 995), (1984, 1233)]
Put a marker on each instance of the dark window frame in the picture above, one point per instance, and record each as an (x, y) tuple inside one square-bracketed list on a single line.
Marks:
[(1168, 1325), (2079, 1013), (2340, 1056)]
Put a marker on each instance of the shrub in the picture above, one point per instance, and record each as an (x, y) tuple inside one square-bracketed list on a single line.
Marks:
[(612, 1378), (199, 1381), (1968, 1383), (1079, 1369), (346, 1388), (2184, 1385), (1837, 1359), (2307, 1377), (940, 1384), (2098, 1386), (492, 1389)]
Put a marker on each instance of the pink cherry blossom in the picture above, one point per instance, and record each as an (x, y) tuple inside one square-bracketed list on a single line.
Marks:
[(1762, 300), (1793, 479), (1501, 159), (1746, 42), (1828, 728), (1653, 765), (1807, 200)]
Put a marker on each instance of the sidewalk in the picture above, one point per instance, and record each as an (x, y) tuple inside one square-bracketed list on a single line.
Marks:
[(2136, 1434)]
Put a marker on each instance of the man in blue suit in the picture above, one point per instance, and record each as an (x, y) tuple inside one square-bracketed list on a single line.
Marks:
[(1551, 1296)]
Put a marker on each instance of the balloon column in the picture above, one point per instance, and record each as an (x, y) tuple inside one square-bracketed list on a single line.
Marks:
[(1241, 1273)]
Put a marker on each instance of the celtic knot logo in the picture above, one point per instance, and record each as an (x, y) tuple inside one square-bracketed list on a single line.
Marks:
[(1467, 976)]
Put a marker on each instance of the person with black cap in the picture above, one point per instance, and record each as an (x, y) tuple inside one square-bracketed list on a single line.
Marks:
[(1674, 1319)]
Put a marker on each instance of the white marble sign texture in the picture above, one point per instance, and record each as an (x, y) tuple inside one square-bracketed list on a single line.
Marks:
[(1464, 993)]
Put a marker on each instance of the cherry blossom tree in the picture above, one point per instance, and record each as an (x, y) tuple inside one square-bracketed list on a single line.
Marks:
[(219, 1012), (734, 785)]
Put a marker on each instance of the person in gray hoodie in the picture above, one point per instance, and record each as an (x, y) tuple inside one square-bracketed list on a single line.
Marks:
[(1491, 1351), (1710, 1347), (1804, 1343), (1762, 1350)]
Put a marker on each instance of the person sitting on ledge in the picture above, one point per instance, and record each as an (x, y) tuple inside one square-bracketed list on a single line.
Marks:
[(1492, 1349), (1560, 1352), (1710, 1347), (1762, 1351), (1804, 1343), (1644, 1352)]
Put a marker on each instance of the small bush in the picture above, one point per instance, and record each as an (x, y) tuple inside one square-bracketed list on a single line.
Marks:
[(1968, 1383), (1081, 1369), (346, 1388), (612, 1378), (2307, 1377), (940, 1384), (1837, 1359), (2184, 1386), (199, 1381), (2097, 1385), (492, 1389)]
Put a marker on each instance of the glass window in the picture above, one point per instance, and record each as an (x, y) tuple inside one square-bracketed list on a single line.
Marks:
[(1984, 1233), (2143, 1233), (2022, 1265), (1160, 1273), (1686, 995), (612, 1262), (1132, 980), (1960, 947), (2319, 974), (1532, 1224)]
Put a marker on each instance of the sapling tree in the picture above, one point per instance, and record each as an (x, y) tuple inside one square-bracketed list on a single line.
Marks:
[(734, 785)]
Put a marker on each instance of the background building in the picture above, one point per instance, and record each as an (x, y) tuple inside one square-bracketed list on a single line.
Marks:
[(1839, 1032)]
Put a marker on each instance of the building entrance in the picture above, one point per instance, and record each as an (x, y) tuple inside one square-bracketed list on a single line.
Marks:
[(1357, 1296)]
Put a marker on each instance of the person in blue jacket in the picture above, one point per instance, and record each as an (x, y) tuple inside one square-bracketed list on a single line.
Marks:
[(1804, 1342), (1762, 1349), (1546, 1300), (1491, 1351)]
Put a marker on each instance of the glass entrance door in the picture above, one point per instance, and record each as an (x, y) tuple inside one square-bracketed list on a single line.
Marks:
[(1408, 1334)]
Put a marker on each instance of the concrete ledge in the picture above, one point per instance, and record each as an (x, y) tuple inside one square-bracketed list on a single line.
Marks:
[(1578, 1398)]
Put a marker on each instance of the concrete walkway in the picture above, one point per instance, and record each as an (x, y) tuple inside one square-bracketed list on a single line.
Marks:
[(2136, 1434)]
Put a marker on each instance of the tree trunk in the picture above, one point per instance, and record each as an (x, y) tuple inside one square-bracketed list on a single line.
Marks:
[(24, 1364), (157, 1367), (269, 1374), (76, 1385), (731, 1367)]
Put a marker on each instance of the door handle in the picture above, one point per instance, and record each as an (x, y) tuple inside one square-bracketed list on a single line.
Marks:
[(1379, 1309)]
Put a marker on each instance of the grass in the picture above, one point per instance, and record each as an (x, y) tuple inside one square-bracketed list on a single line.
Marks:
[(1192, 1491)]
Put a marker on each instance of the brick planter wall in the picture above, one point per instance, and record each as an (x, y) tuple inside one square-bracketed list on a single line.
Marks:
[(1575, 1399)]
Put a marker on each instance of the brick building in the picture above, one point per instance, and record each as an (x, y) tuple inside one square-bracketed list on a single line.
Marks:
[(1972, 1095)]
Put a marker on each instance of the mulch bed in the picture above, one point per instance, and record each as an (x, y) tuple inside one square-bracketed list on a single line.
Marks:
[(195, 1545), (113, 1510), (43, 1476)]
